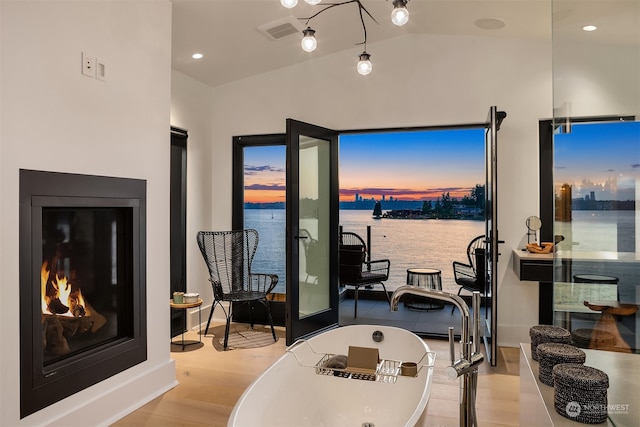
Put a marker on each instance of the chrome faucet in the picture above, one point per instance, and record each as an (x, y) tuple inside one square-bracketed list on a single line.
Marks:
[(470, 355)]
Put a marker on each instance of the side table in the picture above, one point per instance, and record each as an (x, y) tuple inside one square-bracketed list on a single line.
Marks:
[(186, 306), (429, 278)]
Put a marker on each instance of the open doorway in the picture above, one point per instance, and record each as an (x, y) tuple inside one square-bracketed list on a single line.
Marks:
[(436, 176), (418, 198)]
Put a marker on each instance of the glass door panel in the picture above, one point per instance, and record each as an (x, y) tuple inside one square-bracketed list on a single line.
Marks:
[(597, 265), (264, 209), (313, 223), (312, 229)]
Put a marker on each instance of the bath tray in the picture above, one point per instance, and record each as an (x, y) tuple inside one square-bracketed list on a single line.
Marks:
[(387, 370)]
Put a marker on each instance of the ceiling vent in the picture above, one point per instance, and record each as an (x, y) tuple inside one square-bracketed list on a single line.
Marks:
[(281, 28)]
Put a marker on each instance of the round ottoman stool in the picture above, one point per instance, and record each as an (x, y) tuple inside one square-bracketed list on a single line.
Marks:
[(547, 333), (580, 393), (551, 354)]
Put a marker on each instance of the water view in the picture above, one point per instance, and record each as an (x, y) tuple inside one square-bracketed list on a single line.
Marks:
[(406, 243)]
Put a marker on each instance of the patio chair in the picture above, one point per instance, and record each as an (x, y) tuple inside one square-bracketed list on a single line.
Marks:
[(471, 276), (311, 248), (228, 255), (356, 271)]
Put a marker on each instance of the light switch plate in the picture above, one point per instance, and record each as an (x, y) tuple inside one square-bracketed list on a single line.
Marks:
[(88, 65)]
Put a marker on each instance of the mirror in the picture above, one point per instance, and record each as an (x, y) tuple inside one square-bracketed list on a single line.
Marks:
[(533, 225)]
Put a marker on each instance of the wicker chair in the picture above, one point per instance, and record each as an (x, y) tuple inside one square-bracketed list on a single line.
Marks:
[(228, 255), (471, 276), (356, 271)]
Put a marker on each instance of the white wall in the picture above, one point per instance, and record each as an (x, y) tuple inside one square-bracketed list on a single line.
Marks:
[(417, 81), (53, 118), (192, 110)]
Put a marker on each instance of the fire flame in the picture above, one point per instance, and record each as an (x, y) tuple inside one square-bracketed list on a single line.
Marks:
[(73, 300)]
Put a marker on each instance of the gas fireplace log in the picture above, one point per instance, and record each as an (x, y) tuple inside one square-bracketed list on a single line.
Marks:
[(98, 319), (74, 325), (56, 306), (53, 330)]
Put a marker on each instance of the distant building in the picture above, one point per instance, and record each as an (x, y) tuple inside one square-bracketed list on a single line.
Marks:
[(356, 197), (593, 195)]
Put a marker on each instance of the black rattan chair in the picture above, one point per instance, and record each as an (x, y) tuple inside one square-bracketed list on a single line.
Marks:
[(356, 271), (228, 255), (471, 276)]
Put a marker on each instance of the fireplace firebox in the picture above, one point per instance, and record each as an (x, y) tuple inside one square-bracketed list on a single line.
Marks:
[(82, 282)]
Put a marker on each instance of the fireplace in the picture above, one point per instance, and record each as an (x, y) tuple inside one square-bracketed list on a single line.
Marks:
[(82, 282)]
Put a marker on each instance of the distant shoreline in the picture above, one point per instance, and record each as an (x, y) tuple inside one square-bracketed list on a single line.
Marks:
[(604, 205)]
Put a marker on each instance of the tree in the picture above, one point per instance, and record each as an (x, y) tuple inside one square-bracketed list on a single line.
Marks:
[(427, 209)]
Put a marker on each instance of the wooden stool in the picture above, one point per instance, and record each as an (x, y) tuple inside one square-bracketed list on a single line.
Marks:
[(607, 321)]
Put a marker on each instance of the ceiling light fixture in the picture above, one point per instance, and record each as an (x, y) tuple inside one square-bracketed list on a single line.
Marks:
[(399, 16), (589, 28), (289, 3), (197, 56), (309, 42), (364, 66)]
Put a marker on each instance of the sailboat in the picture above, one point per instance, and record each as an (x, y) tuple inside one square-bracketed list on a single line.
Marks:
[(377, 210)]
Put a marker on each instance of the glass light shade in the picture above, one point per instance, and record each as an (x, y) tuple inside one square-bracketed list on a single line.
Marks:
[(313, 2), (364, 65), (289, 3), (400, 15), (309, 42)]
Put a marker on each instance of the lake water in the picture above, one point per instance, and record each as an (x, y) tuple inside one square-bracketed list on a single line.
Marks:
[(433, 243), (407, 243)]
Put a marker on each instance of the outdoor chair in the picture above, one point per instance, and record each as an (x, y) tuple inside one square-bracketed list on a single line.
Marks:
[(471, 276), (228, 255), (311, 248), (356, 271)]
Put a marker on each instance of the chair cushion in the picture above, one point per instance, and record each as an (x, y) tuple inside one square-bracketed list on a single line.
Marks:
[(352, 255), (370, 277), (470, 284), (239, 296)]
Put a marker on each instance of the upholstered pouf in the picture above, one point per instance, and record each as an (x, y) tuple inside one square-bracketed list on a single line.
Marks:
[(547, 333), (580, 393), (592, 338), (552, 354)]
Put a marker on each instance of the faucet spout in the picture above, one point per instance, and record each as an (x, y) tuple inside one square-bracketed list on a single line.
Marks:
[(471, 357), (456, 300)]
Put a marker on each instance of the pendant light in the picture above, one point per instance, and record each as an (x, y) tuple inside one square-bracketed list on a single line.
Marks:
[(364, 64), (313, 2), (400, 14), (289, 3), (309, 42)]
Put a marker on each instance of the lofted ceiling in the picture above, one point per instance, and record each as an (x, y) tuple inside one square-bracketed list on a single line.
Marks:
[(227, 32)]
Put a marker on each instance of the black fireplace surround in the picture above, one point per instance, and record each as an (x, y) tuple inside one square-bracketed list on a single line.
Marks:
[(83, 234)]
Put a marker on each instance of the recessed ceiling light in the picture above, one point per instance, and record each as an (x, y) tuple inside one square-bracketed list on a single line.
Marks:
[(197, 56), (490, 24), (589, 28)]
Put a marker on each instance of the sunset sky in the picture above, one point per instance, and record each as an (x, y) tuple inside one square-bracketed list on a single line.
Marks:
[(407, 165), (421, 165), (599, 157)]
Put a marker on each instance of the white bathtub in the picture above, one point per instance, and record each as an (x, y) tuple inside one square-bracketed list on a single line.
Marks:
[(292, 393)]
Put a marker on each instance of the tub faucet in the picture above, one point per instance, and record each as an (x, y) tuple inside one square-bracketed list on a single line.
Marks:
[(470, 355)]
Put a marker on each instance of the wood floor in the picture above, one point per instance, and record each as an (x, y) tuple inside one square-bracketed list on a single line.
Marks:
[(211, 381)]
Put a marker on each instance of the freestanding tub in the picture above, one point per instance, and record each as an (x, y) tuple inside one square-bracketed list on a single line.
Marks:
[(293, 392)]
